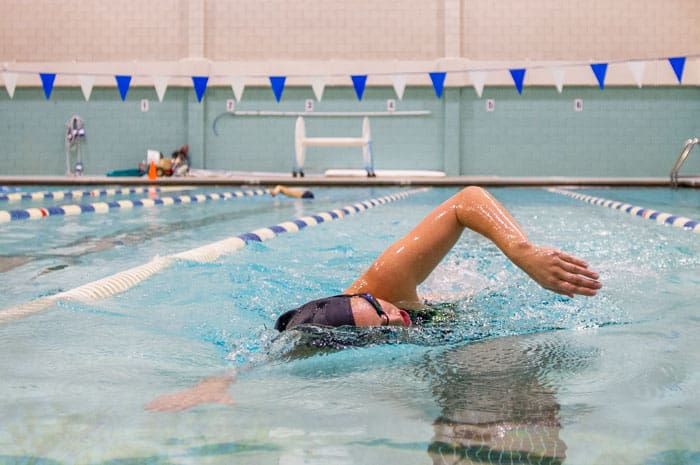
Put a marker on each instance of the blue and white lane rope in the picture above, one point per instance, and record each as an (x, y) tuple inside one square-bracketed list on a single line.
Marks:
[(78, 194), (659, 217), (106, 207), (124, 280)]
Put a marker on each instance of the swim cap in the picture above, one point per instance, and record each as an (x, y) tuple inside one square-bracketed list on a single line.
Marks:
[(328, 311)]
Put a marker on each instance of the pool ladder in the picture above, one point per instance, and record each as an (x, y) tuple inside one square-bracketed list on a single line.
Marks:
[(689, 144)]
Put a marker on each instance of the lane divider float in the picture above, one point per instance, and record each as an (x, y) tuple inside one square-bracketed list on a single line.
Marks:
[(124, 280), (78, 194), (659, 217), (106, 207)]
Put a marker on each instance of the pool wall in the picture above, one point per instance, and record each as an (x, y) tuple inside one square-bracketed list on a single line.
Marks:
[(622, 130)]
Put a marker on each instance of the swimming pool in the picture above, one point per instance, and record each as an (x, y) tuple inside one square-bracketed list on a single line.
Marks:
[(521, 376)]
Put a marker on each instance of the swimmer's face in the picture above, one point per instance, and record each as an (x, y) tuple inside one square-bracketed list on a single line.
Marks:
[(365, 314)]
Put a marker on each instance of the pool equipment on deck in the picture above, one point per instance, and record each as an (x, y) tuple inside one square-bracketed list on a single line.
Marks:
[(301, 142), (75, 134), (687, 148)]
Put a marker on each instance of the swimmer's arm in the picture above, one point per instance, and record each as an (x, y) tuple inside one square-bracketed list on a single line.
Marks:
[(550, 268), (286, 191), (555, 270), (212, 390)]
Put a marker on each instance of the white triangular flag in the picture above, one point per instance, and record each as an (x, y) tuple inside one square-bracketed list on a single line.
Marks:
[(637, 68), (478, 80), (10, 82), (86, 84), (399, 85), (161, 85), (238, 86), (558, 74), (318, 85)]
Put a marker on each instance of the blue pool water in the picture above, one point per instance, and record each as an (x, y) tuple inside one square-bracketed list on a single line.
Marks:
[(520, 376)]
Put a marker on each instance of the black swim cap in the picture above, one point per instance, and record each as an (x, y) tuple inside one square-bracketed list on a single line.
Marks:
[(328, 311)]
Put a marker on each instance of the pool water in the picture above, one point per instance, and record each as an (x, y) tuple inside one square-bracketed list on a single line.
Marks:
[(520, 376)]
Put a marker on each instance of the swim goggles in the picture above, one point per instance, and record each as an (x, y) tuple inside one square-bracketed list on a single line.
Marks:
[(377, 306)]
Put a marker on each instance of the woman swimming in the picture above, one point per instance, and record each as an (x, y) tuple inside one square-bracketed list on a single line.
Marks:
[(388, 288), (383, 294)]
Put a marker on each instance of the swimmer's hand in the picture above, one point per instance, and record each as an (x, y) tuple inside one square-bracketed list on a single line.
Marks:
[(557, 271), (207, 391)]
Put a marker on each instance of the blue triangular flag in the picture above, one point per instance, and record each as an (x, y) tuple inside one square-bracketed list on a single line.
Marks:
[(518, 78), (438, 82), (47, 82), (359, 82), (277, 83), (599, 69), (678, 63), (123, 85), (200, 86)]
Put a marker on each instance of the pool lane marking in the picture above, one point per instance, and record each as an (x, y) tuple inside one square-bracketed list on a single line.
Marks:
[(106, 207), (659, 217), (78, 194), (124, 280), (211, 252)]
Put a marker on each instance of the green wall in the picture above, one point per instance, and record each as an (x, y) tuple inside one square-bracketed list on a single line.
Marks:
[(622, 131)]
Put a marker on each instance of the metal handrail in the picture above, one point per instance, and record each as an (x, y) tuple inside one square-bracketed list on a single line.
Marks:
[(689, 144)]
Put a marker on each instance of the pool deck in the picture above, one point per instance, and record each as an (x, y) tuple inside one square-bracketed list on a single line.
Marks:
[(271, 179)]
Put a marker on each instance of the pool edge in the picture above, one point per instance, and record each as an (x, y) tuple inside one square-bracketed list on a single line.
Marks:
[(321, 180)]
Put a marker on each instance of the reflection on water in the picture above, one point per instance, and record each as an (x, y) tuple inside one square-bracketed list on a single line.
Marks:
[(69, 253), (496, 404)]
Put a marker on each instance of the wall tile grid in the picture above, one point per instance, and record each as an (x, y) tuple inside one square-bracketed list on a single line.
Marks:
[(621, 131), (592, 30), (93, 30), (363, 30)]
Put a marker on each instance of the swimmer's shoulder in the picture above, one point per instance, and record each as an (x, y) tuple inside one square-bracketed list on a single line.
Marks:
[(431, 312)]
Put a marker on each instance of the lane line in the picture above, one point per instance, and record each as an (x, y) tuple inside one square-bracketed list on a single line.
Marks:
[(106, 207), (78, 194), (124, 280), (658, 216)]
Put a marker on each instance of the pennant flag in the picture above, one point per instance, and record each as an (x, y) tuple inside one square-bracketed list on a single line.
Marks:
[(400, 85), (123, 84), (86, 84), (359, 81), (678, 63), (10, 83), (559, 74), (238, 86), (438, 82), (277, 83), (47, 80), (599, 69), (637, 68), (518, 76), (318, 85), (478, 80), (161, 85), (200, 86)]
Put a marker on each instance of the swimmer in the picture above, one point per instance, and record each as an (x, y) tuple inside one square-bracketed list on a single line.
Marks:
[(385, 293), (289, 192)]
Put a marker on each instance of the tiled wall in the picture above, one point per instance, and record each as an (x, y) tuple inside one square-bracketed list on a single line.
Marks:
[(234, 30), (579, 30), (619, 132), (323, 30), (622, 131), (93, 30)]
